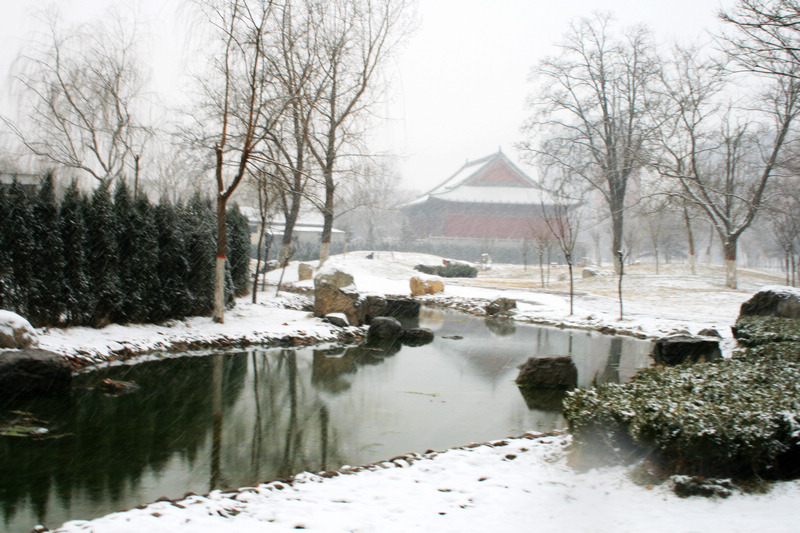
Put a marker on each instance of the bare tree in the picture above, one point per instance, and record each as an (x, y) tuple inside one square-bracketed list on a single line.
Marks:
[(356, 38), (295, 69), (80, 89), (541, 236), (784, 218), (764, 36), (721, 157), (264, 184), (592, 110), (563, 219), (239, 107)]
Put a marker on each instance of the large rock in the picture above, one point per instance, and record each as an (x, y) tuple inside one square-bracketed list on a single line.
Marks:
[(500, 306), (304, 272), (548, 373), (15, 331), (421, 287), (370, 306), (782, 302), (335, 292), (677, 349), (34, 372), (384, 329), (416, 336)]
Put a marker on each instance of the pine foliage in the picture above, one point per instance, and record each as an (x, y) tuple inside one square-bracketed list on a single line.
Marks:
[(201, 246), (173, 263), (47, 261), (76, 296), (17, 232), (103, 254), (91, 261), (239, 250)]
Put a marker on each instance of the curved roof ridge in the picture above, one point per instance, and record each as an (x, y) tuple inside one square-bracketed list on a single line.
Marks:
[(447, 185)]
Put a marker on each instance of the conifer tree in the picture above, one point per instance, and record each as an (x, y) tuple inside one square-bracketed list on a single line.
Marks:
[(131, 303), (5, 245), (47, 273), (239, 250), (76, 294), (103, 256), (146, 260), (18, 235), (200, 227), (173, 263)]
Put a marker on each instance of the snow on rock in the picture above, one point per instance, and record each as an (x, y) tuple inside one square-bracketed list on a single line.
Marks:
[(777, 301), (15, 331)]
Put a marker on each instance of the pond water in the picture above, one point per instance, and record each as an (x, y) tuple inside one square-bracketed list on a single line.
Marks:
[(234, 419)]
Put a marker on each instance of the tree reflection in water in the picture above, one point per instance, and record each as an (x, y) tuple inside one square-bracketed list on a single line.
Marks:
[(234, 419)]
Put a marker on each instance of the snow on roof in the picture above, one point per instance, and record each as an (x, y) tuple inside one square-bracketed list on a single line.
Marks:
[(462, 186), (309, 223)]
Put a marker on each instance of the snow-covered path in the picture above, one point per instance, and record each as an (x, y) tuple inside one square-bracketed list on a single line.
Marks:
[(515, 485)]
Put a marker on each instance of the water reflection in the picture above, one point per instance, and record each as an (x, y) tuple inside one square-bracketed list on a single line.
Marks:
[(234, 419)]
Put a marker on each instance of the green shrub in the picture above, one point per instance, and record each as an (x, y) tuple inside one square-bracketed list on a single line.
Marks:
[(457, 270), (755, 330), (739, 417)]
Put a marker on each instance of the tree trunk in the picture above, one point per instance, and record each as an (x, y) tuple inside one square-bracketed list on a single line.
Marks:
[(571, 287), (327, 219), (288, 230), (541, 266), (619, 259), (259, 255), (690, 241), (219, 270), (786, 260), (657, 261), (729, 249), (616, 237)]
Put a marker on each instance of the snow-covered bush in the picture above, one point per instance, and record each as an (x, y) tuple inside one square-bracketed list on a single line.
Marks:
[(457, 270), (738, 417), (755, 330)]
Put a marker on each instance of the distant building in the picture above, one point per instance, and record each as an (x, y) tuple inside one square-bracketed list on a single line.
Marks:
[(23, 178), (487, 199), (306, 235)]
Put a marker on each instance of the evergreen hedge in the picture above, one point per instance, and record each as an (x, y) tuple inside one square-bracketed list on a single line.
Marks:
[(739, 417), (91, 260)]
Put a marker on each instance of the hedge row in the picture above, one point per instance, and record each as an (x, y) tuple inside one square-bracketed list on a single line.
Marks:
[(91, 260)]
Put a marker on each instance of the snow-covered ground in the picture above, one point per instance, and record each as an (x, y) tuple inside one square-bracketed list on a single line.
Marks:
[(524, 484)]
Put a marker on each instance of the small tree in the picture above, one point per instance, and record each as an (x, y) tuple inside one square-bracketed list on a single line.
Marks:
[(47, 276), (200, 230), (103, 256), (563, 218), (239, 250), (76, 292), (238, 106), (19, 237), (173, 262)]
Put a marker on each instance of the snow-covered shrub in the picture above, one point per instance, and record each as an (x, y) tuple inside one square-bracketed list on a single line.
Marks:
[(457, 270), (738, 417), (755, 330)]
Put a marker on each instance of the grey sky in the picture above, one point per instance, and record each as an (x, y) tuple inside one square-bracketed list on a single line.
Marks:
[(459, 86)]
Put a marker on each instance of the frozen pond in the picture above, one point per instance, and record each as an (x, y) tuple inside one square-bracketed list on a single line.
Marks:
[(236, 418)]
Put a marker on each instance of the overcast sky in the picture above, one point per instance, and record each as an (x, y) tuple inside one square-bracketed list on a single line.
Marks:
[(459, 85)]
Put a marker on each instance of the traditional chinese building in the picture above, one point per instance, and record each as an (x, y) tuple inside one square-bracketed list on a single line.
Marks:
[(487, 199)]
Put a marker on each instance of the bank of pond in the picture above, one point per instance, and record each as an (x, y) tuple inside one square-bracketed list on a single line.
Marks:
[(162, 426)]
